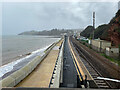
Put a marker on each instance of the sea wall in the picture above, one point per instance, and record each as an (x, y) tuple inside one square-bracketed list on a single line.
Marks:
[(57, 76), (13, 79)]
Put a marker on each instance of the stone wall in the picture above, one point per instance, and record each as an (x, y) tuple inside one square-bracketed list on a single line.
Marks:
[(100, 45), (112, 52)]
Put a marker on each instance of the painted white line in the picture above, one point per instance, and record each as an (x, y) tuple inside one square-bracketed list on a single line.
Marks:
[(115, 80)]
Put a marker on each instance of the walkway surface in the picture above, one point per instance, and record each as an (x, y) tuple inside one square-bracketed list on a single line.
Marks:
[(69, 70), (41, 76)]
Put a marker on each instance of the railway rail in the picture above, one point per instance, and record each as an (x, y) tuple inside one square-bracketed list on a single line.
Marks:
[(92, 70)]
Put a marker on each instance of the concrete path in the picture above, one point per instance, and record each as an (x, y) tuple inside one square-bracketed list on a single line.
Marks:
[(41, 76)]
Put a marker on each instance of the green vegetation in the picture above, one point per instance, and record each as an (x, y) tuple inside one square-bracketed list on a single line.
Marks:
[(119, 51), (118, 13), (87, 32), (117, 61), (90, 47), (102, 30), (119, 48), (118, 29), (85, 41)]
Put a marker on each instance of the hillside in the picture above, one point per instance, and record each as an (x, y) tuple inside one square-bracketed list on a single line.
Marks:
[(109, 32), (87, 32), (53, 32), (29, 33), (101, 31), (114, 30)]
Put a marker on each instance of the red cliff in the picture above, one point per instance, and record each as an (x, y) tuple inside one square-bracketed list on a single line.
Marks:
[(114, 30)]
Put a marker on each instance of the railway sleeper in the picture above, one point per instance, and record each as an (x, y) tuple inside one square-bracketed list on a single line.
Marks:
[(94, 74), (91, 69), (99, 81), (103, 86), (87, 65)]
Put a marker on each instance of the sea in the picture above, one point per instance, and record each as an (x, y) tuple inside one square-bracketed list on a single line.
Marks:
[(18, 50)]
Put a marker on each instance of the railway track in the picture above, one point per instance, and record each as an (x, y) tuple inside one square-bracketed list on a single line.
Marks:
[(92, 70)]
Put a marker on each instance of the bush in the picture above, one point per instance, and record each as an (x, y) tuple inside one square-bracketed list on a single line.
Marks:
[(83, 43)]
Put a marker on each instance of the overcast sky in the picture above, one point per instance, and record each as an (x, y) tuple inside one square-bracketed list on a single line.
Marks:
[(26, 16)]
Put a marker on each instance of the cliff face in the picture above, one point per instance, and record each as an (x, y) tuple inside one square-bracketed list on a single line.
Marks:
[(114, 30)]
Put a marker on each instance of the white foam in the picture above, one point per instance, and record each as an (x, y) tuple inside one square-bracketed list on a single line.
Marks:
[(8, 67)]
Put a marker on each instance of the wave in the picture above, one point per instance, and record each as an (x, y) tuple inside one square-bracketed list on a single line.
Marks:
[(22, 61)]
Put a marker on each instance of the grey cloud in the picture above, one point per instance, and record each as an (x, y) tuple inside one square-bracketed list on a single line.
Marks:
[(45, 16)]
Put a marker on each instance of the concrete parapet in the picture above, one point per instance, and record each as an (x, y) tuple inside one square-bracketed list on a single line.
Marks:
[(57, 73), (18, 76), (61, 72), (8, 82), (26, 69)]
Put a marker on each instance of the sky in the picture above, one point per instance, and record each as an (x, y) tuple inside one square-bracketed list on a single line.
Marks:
[(18, 17)]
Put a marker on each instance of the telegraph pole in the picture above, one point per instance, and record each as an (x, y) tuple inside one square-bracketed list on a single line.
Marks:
[(93, 23)]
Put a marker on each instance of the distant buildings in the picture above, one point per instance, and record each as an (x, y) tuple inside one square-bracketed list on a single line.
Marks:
[(77, 34), (118, 5)]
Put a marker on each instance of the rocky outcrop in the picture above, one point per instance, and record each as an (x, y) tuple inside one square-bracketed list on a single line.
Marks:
[(114, 30)]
